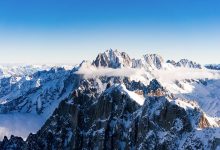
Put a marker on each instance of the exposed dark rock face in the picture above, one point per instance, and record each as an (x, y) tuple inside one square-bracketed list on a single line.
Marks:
[(155, 89), (213, 66), (216, 143), (203, 121), (14, 143)]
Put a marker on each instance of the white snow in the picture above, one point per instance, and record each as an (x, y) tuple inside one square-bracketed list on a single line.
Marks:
[(212, 121), (207, 96), (45, 98), (20, 70), (138, 98), (134, 96), (185, 104)]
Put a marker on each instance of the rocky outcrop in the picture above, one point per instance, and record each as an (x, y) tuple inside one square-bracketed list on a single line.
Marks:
[(149, 61), (112, 59), (213, 66), (156, 89), (203, 122), (185, 63), (115, 59), (154, 61)]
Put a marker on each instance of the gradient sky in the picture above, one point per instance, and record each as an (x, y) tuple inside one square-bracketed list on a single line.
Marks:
[(69, 31)]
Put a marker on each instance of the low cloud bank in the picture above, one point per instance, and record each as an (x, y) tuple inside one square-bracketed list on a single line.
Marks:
[(143, 74), (186, 73), (93, 72)]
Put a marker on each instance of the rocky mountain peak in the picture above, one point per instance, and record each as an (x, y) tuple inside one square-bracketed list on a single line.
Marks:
[(154, 60), (213, 66), (116, 59), (185, 63), (85, 64), (156, 89), (188, 63), (112, 59)]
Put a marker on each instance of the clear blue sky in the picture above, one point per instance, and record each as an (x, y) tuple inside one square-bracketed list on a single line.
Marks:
[(68, 31)]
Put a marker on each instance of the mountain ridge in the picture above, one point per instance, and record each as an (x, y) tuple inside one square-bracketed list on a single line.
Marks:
[(115, 59), (136, 82)]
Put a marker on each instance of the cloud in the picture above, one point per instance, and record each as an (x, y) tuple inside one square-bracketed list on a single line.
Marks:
[(185, 73)]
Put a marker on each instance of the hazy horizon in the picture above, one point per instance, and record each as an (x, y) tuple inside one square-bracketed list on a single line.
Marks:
[(67, 32), (76, 63)]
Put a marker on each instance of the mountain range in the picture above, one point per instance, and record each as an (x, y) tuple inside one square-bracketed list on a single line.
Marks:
[(112, 102)]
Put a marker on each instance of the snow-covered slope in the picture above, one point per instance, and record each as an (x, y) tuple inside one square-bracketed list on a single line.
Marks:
[(32, 99), (199, 85), (21, 70)]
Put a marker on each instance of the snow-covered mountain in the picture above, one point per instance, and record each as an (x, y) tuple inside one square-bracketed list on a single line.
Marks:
[(21, 70), (213, 66), (114, 102), (29, 95), (112, 59), (185, 63), (115, 59)]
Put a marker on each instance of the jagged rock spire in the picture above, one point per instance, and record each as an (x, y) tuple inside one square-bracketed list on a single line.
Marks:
[(112, 59), (185, 63)]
